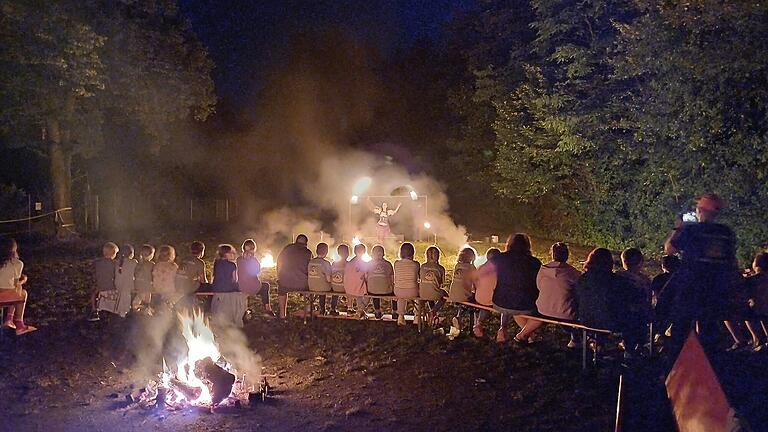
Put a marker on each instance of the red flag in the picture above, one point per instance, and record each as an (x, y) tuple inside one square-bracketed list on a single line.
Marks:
[(697, 398)]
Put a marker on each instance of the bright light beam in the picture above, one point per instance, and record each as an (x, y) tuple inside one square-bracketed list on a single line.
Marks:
[(361, 185), (414, 195)]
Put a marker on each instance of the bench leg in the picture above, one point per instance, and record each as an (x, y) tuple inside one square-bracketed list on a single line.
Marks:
[(583, 350)]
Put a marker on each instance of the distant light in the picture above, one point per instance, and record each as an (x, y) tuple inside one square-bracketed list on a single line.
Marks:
[(355, 241), (354, 199), (427, 225), (268, 261), (361, 185), (366, 257), (414, 195)]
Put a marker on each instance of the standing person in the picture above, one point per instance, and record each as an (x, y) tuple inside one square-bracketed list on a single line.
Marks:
[(431, 280), (319, 274), (484, 281), (704, 284), (356, 283), (12, 281), (406, 283), (143, 279), (164, 277), (462, 286), (516, 291), (103, 293), (384, 213), (556, 282), (248, 276), (228, 304), (381, 278), (124, 279), (292, 265), (337, 275)]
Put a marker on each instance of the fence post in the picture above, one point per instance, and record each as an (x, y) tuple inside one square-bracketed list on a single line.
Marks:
[(191, 218), (96, 216), (226, 210)]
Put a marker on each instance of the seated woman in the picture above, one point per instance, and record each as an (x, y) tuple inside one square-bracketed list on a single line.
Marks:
[(484, 282), (606, 300), (228, 304), (516, 290), (381, 278), (11, 291), (557, 282)]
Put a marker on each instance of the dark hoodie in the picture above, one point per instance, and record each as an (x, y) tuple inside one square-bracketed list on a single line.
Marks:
[(516, 281)]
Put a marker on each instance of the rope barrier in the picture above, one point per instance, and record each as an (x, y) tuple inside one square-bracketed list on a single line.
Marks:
[(27, 219)]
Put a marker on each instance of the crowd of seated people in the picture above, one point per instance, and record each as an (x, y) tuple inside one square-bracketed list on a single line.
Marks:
[(514, 283)]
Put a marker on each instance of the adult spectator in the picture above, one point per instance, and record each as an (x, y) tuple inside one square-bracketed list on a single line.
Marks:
[(595, 291), (557, 283), (516, 291), (635, 298), (292, 265), (11, 282), (669, 265), (702, 288)]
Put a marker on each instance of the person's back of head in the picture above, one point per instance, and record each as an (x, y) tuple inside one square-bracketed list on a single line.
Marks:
[(760, 263), (166, 253), (466, 256), (378, 252), (225, 251), (302, 239), (109, 250), (321, 250), (407, 251), (147, 252), (197, 249), (491, 253), (670, 263), (360, 249), (708, 207), (519, 244), (632, 259), (433, 254), (343, 251), (599, 260), (560, 252)]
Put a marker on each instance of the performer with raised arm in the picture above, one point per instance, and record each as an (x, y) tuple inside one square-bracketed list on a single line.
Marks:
[(384, 213)]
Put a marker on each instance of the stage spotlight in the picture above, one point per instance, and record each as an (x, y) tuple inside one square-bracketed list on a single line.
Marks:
[(427, 225), (354, 199)]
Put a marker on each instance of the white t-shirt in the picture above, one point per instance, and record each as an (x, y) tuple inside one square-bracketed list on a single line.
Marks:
[(10, 271)]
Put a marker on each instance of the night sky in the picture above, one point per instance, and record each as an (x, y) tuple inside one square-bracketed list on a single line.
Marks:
[(245, 38)]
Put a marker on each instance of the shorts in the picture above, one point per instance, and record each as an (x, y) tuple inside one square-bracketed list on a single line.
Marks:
[(283, 290)]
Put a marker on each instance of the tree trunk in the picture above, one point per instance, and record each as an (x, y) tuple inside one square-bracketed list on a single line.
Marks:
[(61, 176)]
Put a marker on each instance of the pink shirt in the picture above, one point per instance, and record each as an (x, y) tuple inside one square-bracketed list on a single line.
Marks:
[(485, 284), (354, 277)]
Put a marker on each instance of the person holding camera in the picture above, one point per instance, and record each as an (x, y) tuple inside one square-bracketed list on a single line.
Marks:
[(708, 274)]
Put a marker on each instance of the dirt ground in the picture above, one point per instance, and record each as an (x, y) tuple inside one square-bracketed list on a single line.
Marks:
[(73, 375)]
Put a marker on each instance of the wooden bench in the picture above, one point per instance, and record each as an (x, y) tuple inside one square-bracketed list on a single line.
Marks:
[(584, 329), (382, 297)]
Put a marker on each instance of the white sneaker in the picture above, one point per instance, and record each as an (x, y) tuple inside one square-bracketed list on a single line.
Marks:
[(455, 322), (571, 344)]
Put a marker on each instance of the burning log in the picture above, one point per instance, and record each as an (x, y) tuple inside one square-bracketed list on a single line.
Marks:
[(189, 392), (221, 380)]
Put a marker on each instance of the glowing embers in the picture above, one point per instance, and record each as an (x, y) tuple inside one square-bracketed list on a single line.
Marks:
[(202, 377)]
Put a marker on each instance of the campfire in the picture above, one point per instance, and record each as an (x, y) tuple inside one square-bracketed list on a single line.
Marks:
[(203, 378)]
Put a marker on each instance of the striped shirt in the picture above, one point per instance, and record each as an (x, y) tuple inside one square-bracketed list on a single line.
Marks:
[(406, 275)]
